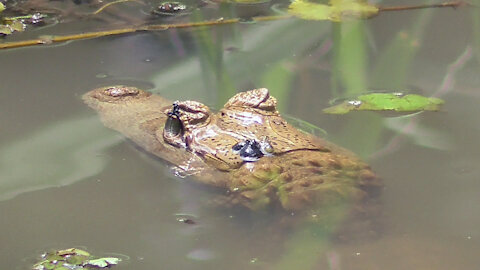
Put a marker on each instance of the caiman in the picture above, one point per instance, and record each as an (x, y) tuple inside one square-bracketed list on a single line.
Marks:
[(247, 149)]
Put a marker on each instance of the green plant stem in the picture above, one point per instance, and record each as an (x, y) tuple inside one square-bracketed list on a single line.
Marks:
[(153, 27), (453, 4)]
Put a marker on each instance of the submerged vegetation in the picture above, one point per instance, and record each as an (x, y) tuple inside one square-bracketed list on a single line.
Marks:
[(349, 47)]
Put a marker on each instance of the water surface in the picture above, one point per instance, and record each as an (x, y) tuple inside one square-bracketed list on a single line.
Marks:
[(65, 180)]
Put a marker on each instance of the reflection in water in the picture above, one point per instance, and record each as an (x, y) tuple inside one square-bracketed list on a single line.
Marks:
[(257, 52), (56, 155)]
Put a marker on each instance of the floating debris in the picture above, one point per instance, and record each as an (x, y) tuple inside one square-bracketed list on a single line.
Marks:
[(36, 18), (185, 218), (170, 9), (187, 221), (8, 27), (73, 258)]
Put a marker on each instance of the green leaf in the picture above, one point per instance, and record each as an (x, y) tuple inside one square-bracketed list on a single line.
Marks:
[(5, 30), (76, 259), (39, 265), (11, 26), (2, 7), (337, 10), (17, 26), (49, 265), (103, 262), (387, 102), (73, 258)]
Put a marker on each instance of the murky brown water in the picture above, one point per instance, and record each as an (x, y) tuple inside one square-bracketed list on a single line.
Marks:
[(65, 180)]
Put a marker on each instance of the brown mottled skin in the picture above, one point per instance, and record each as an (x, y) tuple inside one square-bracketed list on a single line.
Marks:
[(304, 174)]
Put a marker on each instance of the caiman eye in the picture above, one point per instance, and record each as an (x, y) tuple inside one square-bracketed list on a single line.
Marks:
[(173, 126)]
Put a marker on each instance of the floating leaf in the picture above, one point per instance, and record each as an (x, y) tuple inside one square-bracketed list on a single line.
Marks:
[(5, 30), (17, 26), (39, 265), (73, 258), (103, 262), (11, 26), (387, 102), (76, 259), (53, 257), (49, 265), (336, 11)]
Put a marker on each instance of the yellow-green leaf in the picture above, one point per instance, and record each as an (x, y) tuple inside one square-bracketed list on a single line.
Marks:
[(17, 26), (11, 26), (336, 11), (5, 30), (2, 7), (103, 262), (387, 102)]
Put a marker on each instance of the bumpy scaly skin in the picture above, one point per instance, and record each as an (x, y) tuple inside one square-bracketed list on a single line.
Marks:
[(304, 174), (303, 181)]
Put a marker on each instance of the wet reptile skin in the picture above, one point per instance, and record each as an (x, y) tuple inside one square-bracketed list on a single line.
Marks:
[(304, 174)]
